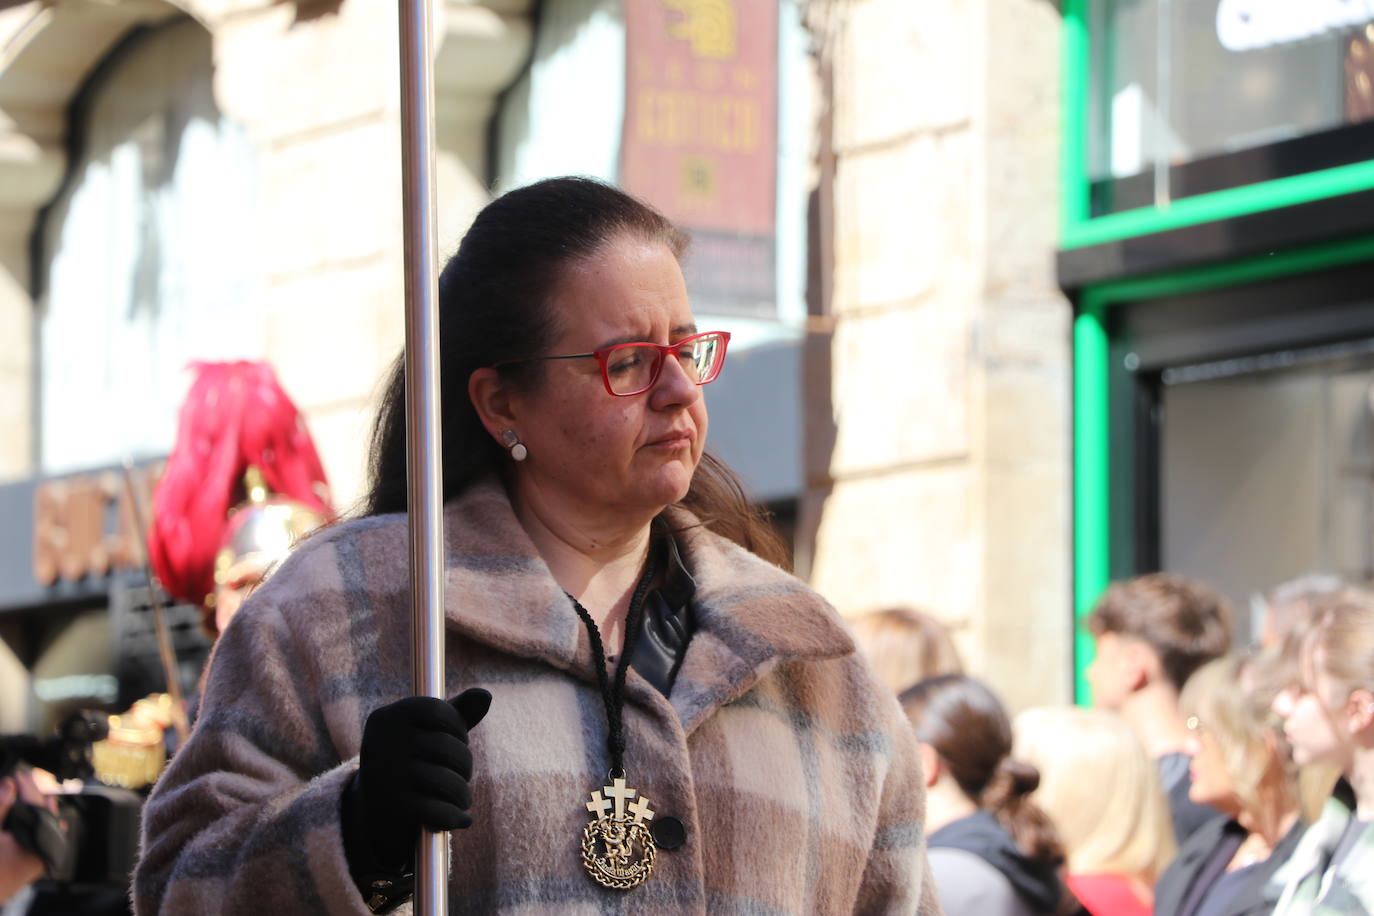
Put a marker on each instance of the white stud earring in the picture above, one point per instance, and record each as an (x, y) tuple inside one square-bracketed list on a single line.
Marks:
[(518, 452)]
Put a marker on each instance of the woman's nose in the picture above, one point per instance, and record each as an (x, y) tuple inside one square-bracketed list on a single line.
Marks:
[(674, 387)]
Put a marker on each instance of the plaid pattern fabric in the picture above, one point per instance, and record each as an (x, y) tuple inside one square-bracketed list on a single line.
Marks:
[(1311, 887), (793, 770)]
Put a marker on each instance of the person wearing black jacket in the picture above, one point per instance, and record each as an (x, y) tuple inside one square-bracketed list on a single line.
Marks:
[(1199, 872), (1242, 768), (979, 869), (991, 852)]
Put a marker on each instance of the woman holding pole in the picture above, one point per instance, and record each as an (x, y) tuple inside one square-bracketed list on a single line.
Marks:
[(675, 724)]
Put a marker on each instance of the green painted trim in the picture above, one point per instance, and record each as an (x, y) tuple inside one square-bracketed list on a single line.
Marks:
[(1219, 205), (1092, 442), (1091, 480), (1249, 270), (1073, 163)]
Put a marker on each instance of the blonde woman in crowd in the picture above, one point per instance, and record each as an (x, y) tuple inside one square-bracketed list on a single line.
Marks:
[(904, 645), (1102, 791), (1241, 766), (1332, 721)]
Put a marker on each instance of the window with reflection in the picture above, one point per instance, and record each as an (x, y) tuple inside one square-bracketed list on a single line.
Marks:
[(1192, 96)]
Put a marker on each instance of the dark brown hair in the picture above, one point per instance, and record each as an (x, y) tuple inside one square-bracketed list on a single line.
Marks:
[(1185, 622), (967, 726), (494, 306)]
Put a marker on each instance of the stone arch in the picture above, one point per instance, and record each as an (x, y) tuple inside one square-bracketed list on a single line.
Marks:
[(48, 54), (47, 51)]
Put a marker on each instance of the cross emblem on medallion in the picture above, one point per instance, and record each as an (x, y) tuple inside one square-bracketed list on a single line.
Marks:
[(621, 793), (610, 802), (598, 806), (617, 848), (641, 811)]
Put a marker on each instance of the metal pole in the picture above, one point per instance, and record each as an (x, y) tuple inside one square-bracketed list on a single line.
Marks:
[(423, 458), (166, 652)]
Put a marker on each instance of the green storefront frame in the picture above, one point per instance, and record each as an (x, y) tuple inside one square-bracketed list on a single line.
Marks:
[(1097, 540), (1079, 229)]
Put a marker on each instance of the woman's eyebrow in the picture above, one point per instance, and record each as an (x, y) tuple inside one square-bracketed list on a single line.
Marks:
[(622, 339), (676, 334)]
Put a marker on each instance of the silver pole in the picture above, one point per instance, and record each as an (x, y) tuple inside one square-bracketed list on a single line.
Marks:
[(423, 458)]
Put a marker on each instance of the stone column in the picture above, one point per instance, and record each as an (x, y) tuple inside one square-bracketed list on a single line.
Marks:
[(949, 473), (1024, 355)]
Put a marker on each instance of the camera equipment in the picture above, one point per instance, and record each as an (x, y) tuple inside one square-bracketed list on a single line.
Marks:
[(92, 838)]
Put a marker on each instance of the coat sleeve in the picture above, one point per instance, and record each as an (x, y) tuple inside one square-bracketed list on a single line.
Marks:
[(896, 878), (245, 818)]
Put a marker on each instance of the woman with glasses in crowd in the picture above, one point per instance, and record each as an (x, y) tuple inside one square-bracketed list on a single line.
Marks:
[(675, 724), (1242, 767)]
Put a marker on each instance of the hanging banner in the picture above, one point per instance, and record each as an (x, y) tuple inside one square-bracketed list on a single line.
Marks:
[(700, 138)]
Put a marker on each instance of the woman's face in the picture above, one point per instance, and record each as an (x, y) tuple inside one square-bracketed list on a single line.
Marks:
[(1212, 783), (1311, 723), (631, 455)]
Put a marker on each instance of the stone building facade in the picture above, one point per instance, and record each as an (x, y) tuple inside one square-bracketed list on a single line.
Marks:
[(934, 383)]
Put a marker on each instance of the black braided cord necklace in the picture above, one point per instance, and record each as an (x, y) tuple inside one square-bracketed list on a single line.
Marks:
[(617, 849)]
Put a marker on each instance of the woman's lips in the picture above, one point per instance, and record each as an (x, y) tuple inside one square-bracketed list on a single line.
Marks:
[(673, 440)]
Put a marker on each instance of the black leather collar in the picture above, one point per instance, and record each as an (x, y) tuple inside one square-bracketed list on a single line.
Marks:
[(668, 623)]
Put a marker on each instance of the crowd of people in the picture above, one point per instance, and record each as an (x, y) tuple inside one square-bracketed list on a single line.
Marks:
[(1203, 782)]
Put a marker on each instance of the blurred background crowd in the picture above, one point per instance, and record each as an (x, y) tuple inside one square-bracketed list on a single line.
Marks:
[(1203, 780)]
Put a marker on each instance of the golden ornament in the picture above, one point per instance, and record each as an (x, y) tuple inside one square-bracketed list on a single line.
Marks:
[(617, 849)]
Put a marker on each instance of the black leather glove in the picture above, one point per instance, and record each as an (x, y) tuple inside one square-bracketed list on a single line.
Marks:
[(414, 771)]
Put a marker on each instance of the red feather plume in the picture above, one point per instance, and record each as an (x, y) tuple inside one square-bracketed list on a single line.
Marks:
[(235, 415)]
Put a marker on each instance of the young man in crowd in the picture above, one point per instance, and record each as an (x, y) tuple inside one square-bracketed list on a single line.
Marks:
[(1152, 633)]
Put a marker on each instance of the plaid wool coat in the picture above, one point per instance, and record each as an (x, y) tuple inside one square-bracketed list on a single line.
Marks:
[(793, 770)]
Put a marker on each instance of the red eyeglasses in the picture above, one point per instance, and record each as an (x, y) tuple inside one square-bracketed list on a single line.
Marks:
[(632, 368)]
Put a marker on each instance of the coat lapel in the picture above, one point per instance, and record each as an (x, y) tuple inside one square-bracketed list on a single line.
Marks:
[(498, 590), (750, 615)]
